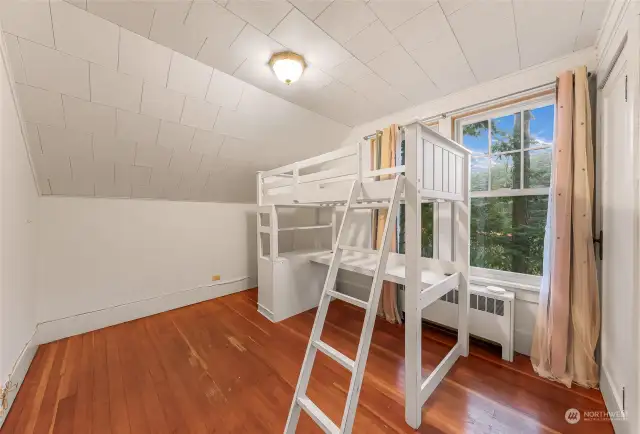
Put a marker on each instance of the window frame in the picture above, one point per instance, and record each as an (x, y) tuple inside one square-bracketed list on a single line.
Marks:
[(489, 276)]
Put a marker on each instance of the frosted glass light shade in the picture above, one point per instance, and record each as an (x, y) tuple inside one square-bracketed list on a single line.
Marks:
[(288, 67)]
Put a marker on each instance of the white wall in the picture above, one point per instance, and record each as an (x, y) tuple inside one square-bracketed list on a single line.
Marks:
[(99, 253), (18, 208)]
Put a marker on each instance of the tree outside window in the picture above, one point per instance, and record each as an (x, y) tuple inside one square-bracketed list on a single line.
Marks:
[(510, 179)]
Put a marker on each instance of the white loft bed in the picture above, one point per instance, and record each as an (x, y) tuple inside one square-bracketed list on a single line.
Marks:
[(436, 169)]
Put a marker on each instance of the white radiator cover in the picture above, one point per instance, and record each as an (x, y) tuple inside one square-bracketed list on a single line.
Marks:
[(491, 316)]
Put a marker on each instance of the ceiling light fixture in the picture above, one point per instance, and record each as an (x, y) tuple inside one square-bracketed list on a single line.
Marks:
[(287, 66)]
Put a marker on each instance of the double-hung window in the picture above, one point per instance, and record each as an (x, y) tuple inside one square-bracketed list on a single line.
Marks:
[(510, 178)]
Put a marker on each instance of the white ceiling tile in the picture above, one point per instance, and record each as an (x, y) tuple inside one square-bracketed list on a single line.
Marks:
[(592, 21), (339, 101), (225, 90), (150, 191), (342, 20), (138, 128), (451, 6), (88, 116), (67, 187), (350, 71), (53, 166), (208, 18), (189, 76), (86, 170), (27, 19), (311, 8), (371, 42), (493, 52), (199, 114), (40, 170), (380, 93), (107, 147), (395, 12), (153, 156), (212, 163), (301, 35), (33, 138), (175, 136), (61, 141), (194, 182), (445, 64), (254, 45), (114, 89), (132, 175), (560, 24), (185, 161), (15, 58), (169, 30), (263, 15), (82, 4), (84, 35), (220, 56), (143, 58), (40, 106), (207, 142), (52, 70), (162, 103), (135, 16), (403, 74), (423, 28), (112, 189), (165, 178)]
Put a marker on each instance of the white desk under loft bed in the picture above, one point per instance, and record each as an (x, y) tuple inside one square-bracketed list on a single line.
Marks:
[(436, 170)]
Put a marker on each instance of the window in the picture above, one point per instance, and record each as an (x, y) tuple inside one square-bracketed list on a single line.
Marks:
[(510, 179)]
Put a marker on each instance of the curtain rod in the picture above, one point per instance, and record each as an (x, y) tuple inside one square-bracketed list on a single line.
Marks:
[(471, 106)]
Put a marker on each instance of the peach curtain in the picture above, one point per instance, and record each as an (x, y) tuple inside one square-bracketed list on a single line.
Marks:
[(383, 156), (568, 320)]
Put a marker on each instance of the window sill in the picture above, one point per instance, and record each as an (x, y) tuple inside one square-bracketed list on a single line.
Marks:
[(524, 282)]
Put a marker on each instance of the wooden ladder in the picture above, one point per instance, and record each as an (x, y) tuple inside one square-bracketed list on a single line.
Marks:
[(300, 399)]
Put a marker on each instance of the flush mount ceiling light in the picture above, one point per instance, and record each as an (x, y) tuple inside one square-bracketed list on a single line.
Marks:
[(287, 66)]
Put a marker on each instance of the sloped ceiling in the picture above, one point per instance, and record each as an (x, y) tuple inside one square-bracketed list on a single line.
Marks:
[(174, 99)]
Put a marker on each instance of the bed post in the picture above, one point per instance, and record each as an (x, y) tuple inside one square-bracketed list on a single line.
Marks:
[(413, 249), (461, 256)]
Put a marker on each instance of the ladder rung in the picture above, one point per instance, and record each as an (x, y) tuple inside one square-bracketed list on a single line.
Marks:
[(370, 205), (317, 415), (348, 299), (358, 249), (335, 355)]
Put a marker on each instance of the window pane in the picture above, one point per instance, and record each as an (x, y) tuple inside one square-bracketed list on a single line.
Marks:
[(479, 174), (538, 127), (537, 168), (476, 137), (427, 230), (507, 233), (505, 171), (505, 133)]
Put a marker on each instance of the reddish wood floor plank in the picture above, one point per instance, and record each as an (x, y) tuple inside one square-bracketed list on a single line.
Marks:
[(221, 367)]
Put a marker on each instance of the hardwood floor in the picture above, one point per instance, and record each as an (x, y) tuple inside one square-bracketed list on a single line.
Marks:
[(220, 367)]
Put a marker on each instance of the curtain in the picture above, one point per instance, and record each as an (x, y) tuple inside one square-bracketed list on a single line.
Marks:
[(383, 156), (568, 319)]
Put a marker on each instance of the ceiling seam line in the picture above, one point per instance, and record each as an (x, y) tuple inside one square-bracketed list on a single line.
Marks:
[(466, 59), (515, 28)]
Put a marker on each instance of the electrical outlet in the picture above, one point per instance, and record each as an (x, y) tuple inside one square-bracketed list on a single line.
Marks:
[(215, 277)]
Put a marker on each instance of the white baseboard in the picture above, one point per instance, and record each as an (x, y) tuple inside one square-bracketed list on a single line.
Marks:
[(613, 401), (16, 378), (54, 330)]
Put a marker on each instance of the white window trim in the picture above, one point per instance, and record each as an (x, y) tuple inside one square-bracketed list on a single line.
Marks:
[(488, 276)]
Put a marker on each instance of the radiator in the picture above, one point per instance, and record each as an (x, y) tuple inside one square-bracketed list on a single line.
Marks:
[(491, 316)]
